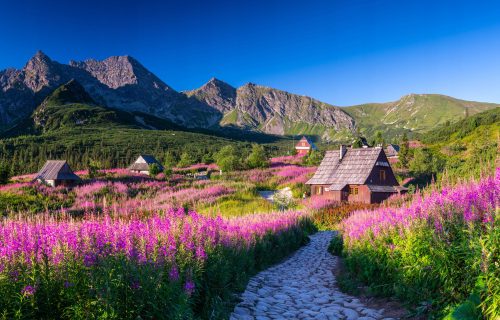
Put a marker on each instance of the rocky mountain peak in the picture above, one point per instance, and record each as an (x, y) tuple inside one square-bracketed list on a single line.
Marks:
[(40, 71)]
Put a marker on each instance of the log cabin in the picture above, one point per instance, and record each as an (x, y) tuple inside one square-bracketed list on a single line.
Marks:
[(304, 146), (361, 175), (57, 173)]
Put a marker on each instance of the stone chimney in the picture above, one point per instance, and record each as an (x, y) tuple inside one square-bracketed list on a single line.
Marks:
[(343, 150)]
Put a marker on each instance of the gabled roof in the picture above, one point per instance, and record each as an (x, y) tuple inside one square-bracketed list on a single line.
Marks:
[(305, 139), (394, 146), (143, 162), (56, 170), (324, 173), (354, 168)]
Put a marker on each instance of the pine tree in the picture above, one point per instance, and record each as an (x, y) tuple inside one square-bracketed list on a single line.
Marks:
[(404, 151)]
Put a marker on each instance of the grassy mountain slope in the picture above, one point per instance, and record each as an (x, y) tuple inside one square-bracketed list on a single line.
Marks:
[(67, 125), (414, 113), (469, 146)]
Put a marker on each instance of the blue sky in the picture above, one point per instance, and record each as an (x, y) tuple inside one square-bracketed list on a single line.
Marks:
[(342, 52)]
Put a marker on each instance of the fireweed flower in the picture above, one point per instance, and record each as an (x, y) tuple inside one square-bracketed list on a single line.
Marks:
[(173, 275), (189, 287), (28, 291)]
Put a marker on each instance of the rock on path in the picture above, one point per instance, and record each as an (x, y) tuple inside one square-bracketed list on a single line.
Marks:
[(302, 287)]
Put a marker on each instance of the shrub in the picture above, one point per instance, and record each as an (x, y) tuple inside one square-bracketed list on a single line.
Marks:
[(258, 157), (228, 159), (336, 245)]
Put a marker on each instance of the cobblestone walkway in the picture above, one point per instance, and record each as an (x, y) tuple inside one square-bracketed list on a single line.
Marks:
[(302, 287)]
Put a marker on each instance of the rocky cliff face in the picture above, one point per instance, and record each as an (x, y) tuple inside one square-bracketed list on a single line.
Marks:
[(269, 110), (118, 82), (123, 83)]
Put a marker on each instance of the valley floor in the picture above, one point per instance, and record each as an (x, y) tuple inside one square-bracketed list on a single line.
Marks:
[(302, 287)]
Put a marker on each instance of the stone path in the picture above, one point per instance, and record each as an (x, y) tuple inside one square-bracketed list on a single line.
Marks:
[(302, 287)]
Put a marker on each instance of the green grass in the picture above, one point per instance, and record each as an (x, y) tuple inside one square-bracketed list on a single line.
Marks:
[(413, 113), (238, 204)]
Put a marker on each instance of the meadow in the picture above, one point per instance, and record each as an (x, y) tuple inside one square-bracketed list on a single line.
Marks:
[(438, 250), (128, 246), (122, 246)]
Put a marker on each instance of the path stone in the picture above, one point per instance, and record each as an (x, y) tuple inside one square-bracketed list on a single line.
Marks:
[(302, 287)]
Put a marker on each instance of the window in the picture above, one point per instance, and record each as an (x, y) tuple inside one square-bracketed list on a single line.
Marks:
[(319, 190), (353, 190), (382, 175)]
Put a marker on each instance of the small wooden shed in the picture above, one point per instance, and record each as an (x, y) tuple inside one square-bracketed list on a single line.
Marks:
[(304, 146), (57, 172), (141, 165), (361, 175)]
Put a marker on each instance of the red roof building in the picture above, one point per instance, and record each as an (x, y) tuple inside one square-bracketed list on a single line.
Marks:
[(304, 146)]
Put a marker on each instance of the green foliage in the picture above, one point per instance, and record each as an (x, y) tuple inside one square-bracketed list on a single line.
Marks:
[(186, 160), (427, 112), (329, 218), (228, 159), (336, 245), (207, 158), (93, 168), (379, 139), (431, 271), (404, 151), (462, 128), (170, 160), (313, 158), (4, 174), (257, 157), (425, 162), (154, 169)]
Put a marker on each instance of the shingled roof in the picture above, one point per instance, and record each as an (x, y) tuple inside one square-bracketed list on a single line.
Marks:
[(354, 168), (143, 162), (56, 170)]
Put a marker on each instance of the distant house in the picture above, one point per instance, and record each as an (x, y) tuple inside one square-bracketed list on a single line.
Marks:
[(141, 165), (412, 144), (392, 151), (355, 175), (56, 173), (304, 146)]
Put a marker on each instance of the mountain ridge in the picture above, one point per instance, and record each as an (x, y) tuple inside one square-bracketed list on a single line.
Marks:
[(123, 83)]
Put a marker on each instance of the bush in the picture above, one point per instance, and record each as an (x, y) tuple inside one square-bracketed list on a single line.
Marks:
[(336, 245), (257, 158), (154, 169), (329, 218), (228, 159)]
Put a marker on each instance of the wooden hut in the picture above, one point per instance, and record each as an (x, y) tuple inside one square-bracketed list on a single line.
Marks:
[(141, 165), (57, 172), (361, 175), (304, 146), (392, 150)]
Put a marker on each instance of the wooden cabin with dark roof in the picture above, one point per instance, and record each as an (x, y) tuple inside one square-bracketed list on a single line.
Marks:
[(56, 173), (361, 175), (304, 146), (141, 165)]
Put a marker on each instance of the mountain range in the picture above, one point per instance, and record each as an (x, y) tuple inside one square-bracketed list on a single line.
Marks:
[(123, 84)]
